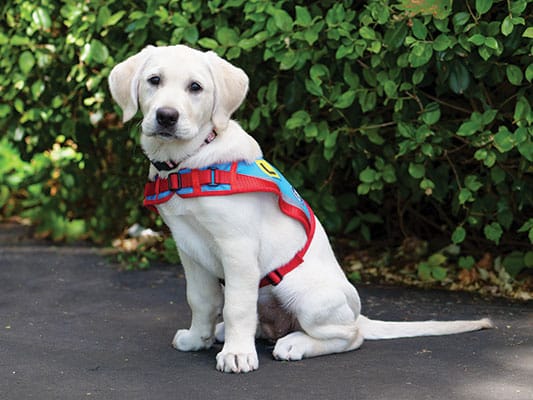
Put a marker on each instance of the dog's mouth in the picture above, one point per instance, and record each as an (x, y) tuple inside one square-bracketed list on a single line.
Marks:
[(165, 134), (162, 134)]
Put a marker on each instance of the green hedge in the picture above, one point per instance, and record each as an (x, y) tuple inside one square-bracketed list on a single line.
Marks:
[(394, 118)]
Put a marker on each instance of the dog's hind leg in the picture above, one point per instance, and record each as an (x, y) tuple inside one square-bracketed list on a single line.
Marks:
[(298, 345), (328, 324)]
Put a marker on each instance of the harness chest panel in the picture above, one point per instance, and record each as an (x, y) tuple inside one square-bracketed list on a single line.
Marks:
[(233, 178)]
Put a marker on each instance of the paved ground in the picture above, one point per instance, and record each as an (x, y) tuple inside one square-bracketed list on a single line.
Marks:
[(73, 327)]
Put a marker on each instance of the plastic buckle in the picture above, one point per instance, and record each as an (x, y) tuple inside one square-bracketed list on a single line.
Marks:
[(174, 181), (274, 277), (213, 177)]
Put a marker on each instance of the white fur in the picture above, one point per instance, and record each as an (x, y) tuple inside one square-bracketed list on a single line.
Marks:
[(240, 238)]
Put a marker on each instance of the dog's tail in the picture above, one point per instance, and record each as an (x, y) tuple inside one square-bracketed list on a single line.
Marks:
[(374, 329)]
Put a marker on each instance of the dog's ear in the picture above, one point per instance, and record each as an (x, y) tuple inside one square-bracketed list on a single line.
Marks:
[(231, 86), (124, 83)]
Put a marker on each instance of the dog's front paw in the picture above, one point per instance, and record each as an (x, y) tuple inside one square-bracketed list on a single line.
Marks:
[(237, 362), (185, 340)]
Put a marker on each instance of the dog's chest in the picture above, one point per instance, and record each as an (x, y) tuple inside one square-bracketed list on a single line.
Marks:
[(190, 233), (211, 230)]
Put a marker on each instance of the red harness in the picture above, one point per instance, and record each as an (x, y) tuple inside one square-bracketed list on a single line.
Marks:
[(234, 178)]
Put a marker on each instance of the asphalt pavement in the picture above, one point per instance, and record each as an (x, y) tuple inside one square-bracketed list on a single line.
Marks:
[(73, 326)]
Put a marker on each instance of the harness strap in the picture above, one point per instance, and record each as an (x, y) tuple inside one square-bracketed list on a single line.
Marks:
[(218, 182)]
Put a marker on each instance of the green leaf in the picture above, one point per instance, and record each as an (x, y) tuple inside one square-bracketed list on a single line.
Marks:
[(227, 36), (350, 77), (298, 119), (480, 154), (493, 232), (363, 188), (504, 140), (439, 273), (465, 195), (190, 34), (313, 88), (419, 29), (17, 40), (488, 116), (442, 42), (317, 72), (459, 79), (427, 186), (103, 16), (288, 60), (303, 17), (41, 19), (345, 100), (115, 18), (468, 128), (492, 43), (431, 114), (472, 183), (98, 51), (514, 263), (367, 100), (514, 74), (367, 33), (390, 89), (528, 33), (485, 53), (368, 175), (331, 140), (497, 175), (37, 88), (420, 54), (478, 39), (459, 20), (282, 19), (466, 262), (389, 174), (424, 271), (507, 25), (417, 171), (26, 61), (526, 150), (343, 51), (418, 76), (490, 159), (529, 72), (482, 6), (394, 37), (208, 43), (311, 131), (522, 112), (245, 44)]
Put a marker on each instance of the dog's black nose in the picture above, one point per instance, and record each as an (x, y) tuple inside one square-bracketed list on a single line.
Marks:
[(167, 116)]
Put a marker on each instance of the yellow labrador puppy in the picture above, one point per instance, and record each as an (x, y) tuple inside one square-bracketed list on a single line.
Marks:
[(243, 237)]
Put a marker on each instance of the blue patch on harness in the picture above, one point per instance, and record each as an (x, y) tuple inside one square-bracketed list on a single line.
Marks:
[(264, 170)]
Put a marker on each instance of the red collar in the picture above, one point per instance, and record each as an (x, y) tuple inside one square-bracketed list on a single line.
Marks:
[(169, 165)]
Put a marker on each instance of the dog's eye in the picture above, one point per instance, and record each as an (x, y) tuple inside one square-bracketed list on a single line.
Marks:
[(195, 87), (154, 80)]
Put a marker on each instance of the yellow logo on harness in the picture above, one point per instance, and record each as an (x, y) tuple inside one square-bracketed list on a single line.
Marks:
[(267, 168)]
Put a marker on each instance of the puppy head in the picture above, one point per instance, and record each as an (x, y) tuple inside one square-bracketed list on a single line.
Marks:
[(181, 92)]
